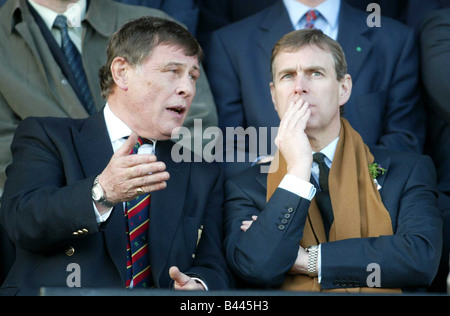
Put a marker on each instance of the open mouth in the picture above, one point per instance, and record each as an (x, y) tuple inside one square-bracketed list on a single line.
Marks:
[(176, 109)]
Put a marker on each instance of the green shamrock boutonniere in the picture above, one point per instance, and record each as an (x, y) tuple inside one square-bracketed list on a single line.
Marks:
[(375, 170)]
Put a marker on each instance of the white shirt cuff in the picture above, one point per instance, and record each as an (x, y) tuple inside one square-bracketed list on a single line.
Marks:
[(298, 186), (101, 218)]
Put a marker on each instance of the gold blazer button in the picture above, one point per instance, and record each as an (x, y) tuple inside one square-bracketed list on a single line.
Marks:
[(70, 251)]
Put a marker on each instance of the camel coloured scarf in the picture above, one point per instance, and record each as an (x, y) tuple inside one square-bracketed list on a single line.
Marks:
[(357, 207)]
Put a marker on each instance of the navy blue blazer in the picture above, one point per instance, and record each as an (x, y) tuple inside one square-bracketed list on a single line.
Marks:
[(385, 106), (263, 254), (47, 198)]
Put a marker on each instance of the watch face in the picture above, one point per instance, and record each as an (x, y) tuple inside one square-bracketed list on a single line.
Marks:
[(97, 192)]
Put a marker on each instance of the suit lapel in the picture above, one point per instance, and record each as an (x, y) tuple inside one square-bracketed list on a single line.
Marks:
[(49, 69), (275, 24), (166, 209), (93, 145), (352, 25), (385, 162), (94, 150)]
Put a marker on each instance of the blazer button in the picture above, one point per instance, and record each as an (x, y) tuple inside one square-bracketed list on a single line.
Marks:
[(281, 227), (80, 232), (70, 251)]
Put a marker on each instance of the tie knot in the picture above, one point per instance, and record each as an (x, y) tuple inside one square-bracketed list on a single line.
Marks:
[(141, 141), (311, 17), (319, 158), (60, 22)]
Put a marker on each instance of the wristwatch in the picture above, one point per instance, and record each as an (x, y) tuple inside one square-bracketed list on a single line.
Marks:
[(313, 252), (98, 195)]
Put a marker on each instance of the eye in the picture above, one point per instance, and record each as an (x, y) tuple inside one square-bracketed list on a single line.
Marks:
[(316, 74), (194, 76), (287, 76)]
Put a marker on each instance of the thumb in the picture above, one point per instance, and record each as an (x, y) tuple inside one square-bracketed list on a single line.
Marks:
[(125, 149), (179, 277)]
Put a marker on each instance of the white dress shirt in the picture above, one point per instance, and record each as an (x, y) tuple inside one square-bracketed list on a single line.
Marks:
[(118, 131)]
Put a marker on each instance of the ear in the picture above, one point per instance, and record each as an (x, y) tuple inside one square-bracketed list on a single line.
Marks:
[(345, 89), (119, 71)]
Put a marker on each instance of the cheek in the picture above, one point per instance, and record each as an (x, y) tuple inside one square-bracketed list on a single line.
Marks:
[(281, 99)]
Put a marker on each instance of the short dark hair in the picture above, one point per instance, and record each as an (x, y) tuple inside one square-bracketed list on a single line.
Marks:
[(135, 41), (295, 40)]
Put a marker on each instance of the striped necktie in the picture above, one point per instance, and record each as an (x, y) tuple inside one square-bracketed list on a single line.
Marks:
[(137, 214), (73, 58), (311, 17)]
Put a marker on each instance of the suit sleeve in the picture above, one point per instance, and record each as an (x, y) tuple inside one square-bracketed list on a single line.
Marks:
[(210, 264), (409, 257), (39, 209), (264, 253)]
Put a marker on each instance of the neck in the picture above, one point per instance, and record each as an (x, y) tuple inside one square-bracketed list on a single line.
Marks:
[(59, 6), (311, 3), (320, 139)]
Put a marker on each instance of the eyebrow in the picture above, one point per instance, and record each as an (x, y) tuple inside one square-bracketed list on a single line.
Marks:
[(174, 63), (308, 69)]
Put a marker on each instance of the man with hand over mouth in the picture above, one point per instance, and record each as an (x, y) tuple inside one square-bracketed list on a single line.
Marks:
[(332, 213)]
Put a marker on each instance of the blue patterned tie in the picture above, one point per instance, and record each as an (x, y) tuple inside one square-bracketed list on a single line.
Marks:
[(73, 58), (137, 214)]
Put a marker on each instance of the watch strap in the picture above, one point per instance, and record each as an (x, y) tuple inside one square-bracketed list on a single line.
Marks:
[(313, 252), (103, 199)]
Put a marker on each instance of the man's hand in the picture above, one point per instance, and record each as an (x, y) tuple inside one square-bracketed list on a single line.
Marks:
[(301, 263), (126, 173), (293, 141), (183, 281), (246, 224)]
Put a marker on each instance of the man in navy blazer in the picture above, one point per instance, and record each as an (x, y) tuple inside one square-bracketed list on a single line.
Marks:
[(69, 179), (385, 107), (385, 227)]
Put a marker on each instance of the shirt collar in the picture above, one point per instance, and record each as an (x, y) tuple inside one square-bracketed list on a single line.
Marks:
[(71, 13), (117, 129), (328, 9), (330, 149)]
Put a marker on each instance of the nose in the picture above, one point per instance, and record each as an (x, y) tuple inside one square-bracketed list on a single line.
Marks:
[(186, 87), (301, 85)]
